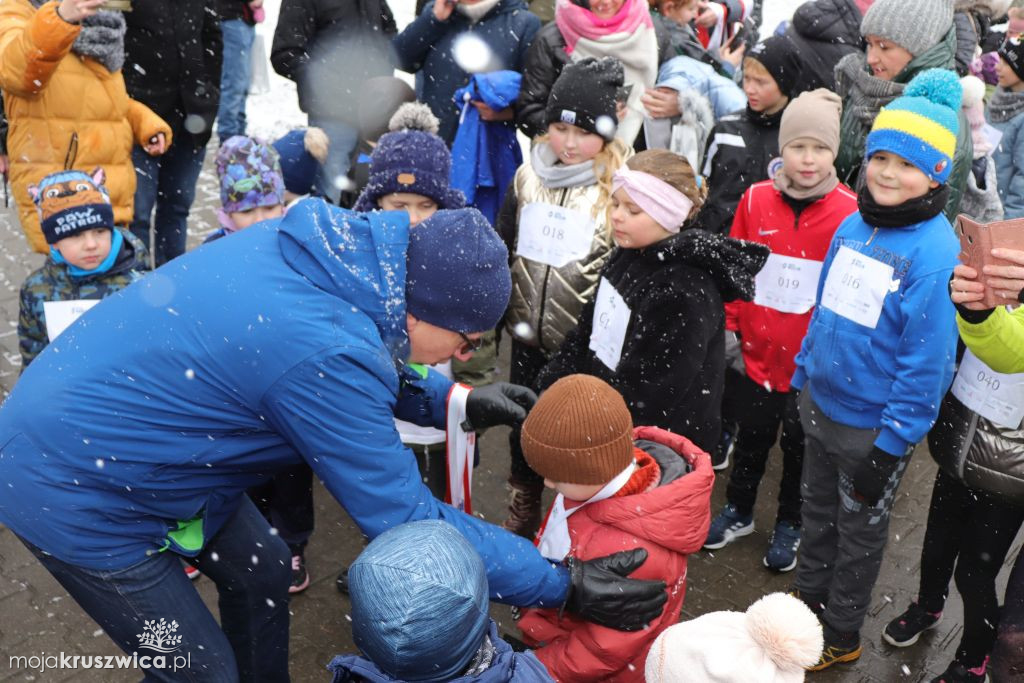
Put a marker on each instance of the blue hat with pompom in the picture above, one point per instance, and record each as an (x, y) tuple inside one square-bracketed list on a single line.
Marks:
[(921, 125)]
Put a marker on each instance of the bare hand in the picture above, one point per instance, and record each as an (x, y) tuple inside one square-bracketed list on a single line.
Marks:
[(733, 57), (255, 4), (1006, 281), (73, 11), (966, 290), (443, 9), (661, 103), (157, 145), (488, 114), (707, 18)]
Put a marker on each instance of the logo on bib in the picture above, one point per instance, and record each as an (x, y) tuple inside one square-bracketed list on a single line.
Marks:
[(773, 166), (568, 116)]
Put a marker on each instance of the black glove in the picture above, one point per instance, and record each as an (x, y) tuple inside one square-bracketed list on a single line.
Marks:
[(500, 403), (872, 474), (600, 592)]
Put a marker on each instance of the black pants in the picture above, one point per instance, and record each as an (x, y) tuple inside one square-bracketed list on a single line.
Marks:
[(526, 364), (432, 461), (762, 412), (287, 503), (972, 530)]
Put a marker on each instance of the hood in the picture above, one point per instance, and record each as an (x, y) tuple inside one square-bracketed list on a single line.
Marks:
[(942, 55), (1004, 105), (731, 263), (829, 21), (677, 513), (357, 257)]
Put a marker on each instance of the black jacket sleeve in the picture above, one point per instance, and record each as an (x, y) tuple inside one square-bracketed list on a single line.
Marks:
[(294, 33), (505, 222), (540, 71)]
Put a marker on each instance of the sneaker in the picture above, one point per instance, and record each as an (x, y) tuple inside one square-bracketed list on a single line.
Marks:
[(300, 577), (816, 605), (191, 572), (904, 630), (524, 508), (723, 451), (727, 527), (781, 555), (840, 647), (341, 583), (959, 673)]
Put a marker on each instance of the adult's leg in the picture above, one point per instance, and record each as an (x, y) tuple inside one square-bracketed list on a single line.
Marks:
[(792, 445), (758, 421), (343, 139), (179, 171), (234, 77), (147, 174)]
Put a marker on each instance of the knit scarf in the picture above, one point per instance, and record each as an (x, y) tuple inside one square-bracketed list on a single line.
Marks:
[(1004, 105), (863, 94), (102, 38), (784, 184), (628, 36), (646, 477), (554, 175), (910, 212)]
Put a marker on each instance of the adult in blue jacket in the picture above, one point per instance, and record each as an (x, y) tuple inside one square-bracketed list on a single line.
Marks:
[(133, 437)]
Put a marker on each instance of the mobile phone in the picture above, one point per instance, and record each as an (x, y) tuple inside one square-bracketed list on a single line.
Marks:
[(977, 241), (737, 38)]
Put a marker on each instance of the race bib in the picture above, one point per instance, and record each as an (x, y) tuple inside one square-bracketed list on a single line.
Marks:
[(554, 235), (60, 314), (787, 284), (611, 318), (856, 285), (993, 395)]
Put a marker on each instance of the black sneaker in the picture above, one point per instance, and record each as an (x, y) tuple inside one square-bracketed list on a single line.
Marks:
[(840, 647), (904, 630), (300, 577), (722, 453), (342, 582), (959, 673)]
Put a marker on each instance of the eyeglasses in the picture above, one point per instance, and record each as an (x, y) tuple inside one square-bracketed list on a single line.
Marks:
[(470, 345)]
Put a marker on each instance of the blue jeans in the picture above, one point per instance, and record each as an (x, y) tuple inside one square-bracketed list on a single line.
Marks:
[(235, 73), (252, 570), (167, 183), (343, 139)]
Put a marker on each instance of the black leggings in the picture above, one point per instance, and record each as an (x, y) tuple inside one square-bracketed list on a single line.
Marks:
[(972, 530)]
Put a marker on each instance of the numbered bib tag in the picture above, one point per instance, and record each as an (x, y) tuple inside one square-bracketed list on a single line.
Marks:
[(787, 284), (554, 235), (611, 318), (856, 285), (993, 395), (60, 314)]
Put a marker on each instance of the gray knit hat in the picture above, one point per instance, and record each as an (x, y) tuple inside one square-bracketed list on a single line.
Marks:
[(915, 25)]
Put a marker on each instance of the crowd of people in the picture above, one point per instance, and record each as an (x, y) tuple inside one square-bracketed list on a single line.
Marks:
[(695, 241)]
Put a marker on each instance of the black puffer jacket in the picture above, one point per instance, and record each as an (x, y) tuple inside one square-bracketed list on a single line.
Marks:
[(173, 51), (227, 10), (824, 31), (672, 368), (330, 48)]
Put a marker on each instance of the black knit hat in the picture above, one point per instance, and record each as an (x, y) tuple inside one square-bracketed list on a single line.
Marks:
[(1012, 50), (585, 93), (778, 54)]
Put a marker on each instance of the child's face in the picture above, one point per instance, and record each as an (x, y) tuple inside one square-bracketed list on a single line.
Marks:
[(86, 249), (885, 58), (243, 219), (681, 11), (606, 9), (576, 492), (419, 207), (806, 162), (572, 144), (763, 94), (632, 228), (1007, 78), (892, 180)]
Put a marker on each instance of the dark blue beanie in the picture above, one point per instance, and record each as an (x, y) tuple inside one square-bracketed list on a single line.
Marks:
[(298, 166), (457, 275)]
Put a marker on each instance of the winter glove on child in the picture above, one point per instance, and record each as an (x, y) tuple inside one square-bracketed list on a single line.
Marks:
[(500, 403), (872, 474), (600, 592)]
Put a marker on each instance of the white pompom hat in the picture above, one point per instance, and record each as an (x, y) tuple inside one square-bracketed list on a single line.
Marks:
[(774, 641)]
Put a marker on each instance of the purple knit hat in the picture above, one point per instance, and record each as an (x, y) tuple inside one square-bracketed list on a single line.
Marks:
[(250, 174)]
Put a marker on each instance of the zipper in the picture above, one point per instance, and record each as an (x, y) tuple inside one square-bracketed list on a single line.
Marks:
[(544, 288), (872, 237)]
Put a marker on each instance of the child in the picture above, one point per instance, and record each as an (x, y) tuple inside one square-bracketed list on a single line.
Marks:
[(981, 195), (655, 330), (1006, 113), (795, 214), (89, 258), (251, 185), (771, 642), (618, 489), (419, 613), (878, 355), (743, 147), (568, 175), (301, 153)]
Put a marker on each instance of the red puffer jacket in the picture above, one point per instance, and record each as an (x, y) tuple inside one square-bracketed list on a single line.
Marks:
[(771, 339), (669, 520)]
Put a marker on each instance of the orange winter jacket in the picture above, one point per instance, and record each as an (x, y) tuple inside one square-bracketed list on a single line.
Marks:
[(65, 111)]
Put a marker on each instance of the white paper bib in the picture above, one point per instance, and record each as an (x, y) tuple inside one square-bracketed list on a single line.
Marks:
[(993, 395), (554, 235), (611, 319), (856, 285), (787, 284), (60, 314)]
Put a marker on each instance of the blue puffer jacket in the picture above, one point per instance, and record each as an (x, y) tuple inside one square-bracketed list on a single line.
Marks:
[(277, 346), (425, 48), (1006, 113), (506, 667), (683, 73)]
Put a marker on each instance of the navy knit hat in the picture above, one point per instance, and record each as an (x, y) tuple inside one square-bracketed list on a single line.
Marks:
[(70, 202), (301, 152), (457, 275), (411, 159), (419, 601)]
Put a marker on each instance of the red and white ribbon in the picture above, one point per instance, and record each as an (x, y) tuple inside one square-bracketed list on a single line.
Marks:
[(461, 446)]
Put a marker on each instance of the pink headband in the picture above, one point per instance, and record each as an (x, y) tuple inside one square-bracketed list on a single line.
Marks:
[(665, 204)]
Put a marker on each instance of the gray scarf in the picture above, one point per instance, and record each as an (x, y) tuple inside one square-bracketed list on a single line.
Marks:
[(863, 94), (1004, 105), (554, 175), (102, 38)]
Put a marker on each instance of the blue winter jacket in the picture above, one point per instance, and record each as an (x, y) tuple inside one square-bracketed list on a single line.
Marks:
[(140, 428), (1006, 113), (894, 376), (506, 667), (425, 48), (684, 73)]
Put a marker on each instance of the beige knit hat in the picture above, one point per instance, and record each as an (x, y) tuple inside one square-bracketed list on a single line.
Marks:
[(816, 115), (579, 432)]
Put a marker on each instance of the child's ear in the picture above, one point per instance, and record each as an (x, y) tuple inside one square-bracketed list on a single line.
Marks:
[(98, 175), (933, 184), (33, 191)]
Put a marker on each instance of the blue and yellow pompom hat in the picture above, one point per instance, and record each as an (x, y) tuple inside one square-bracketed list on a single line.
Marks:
[(922, 124)]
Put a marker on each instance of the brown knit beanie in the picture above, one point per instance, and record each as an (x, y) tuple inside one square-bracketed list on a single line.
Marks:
[(579, 432), (814, 115)]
